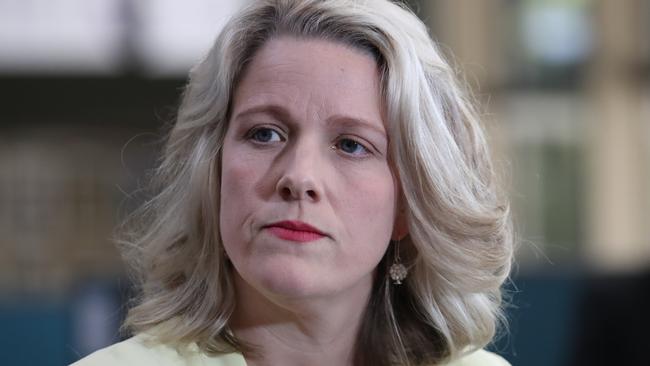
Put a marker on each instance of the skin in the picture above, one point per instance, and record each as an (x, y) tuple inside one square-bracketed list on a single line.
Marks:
[(306, 142)]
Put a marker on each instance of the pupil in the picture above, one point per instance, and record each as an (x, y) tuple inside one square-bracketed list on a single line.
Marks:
[(349, 146), (263, 135)]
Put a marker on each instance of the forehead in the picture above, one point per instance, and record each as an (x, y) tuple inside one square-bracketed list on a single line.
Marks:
[(308, 74)]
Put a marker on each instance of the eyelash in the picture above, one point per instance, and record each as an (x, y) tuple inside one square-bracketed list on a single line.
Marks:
[(366, 151), (250, 135)]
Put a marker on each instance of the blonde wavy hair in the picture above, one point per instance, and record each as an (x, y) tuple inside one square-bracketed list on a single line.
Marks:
[(459, 247)]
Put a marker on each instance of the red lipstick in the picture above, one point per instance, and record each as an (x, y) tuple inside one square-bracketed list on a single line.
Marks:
[(297, 231)]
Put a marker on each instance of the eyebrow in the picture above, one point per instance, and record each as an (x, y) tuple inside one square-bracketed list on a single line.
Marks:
[(274, 110), (355, 121), (281, 113)]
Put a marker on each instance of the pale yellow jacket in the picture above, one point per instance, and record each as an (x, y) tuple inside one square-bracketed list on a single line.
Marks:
[(134, 351)]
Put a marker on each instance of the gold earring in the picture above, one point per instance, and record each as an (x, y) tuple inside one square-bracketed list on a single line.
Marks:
[(397, 270)]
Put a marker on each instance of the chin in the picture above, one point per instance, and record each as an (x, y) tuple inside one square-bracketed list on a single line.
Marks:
[(291, 279)]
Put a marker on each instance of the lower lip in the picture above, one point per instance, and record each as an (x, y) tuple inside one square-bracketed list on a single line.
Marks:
[(294, 235)]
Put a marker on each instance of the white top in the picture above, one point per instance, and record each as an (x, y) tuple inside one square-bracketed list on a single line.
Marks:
[(135, 351)]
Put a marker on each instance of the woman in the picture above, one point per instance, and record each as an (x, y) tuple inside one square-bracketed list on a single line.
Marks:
[(325, 197)]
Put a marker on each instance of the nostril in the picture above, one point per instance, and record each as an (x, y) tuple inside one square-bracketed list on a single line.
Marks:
[(290, 189), (286, 192)]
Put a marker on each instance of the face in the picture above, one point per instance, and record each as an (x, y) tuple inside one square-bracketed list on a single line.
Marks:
[(308, 200)]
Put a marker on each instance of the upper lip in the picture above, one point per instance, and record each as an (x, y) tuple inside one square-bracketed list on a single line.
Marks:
[(296, 225)]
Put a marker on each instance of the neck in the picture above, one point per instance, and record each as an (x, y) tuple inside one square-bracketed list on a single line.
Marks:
[(305, 331)]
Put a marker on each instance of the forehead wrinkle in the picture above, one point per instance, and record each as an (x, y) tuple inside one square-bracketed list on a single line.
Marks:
[(273, 73), (278, 74)]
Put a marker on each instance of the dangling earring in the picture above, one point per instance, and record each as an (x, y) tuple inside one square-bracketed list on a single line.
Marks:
[(397, 270)]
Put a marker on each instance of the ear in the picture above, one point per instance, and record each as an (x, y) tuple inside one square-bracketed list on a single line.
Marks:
[(401, 226)]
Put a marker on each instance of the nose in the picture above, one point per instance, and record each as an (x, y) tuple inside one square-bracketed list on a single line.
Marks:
[(300, 179)]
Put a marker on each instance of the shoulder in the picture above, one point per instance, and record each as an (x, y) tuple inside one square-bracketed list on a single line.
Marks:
[(480, 358), (141, 351)]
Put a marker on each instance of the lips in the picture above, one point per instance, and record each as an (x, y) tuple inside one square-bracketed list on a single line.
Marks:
[(296, 231)]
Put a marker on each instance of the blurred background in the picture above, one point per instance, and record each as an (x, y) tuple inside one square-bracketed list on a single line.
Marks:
[(87, 85)]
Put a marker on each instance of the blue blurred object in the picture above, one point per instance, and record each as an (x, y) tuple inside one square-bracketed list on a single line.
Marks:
[(47, 330), (542, 319), (95, 318), (34, 332)]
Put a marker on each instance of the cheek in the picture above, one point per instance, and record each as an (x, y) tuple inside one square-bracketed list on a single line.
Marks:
[(369, 213), (234, 181), (372, 197), (237, 193)]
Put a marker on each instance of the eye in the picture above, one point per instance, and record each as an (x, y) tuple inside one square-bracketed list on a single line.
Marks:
[(352, 147), (264, 135)]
